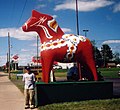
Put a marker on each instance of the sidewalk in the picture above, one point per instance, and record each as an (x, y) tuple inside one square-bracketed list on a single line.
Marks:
[(10, 96)]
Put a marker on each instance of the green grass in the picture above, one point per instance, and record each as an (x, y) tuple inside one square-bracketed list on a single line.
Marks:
[(109, 72), (109, 104), (60, 73), (18, 82), (105, 72)]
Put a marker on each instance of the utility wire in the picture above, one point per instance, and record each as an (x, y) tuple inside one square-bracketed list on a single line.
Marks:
[(22, 13), (12, 12), (20, 17)]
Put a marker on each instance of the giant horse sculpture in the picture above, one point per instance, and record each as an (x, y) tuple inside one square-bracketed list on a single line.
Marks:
[(57, 46)]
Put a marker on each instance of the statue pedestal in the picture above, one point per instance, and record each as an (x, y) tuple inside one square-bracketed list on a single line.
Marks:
[(56, 92)]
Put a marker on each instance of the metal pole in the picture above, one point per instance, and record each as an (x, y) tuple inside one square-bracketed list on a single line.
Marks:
[(85, 32), (7, 62), (77, 30), (77, 22), (37, 51), (9, 55)]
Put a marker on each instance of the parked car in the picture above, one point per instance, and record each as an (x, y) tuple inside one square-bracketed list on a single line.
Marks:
[(57, 67), (118, 65)]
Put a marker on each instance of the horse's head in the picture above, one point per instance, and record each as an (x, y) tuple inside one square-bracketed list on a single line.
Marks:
[(45, 25)]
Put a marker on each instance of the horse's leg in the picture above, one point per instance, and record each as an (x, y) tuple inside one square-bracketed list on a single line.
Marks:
[(43, 70), (90, 64), (79, 70), (52, 76), (46, 68), (87, 60)]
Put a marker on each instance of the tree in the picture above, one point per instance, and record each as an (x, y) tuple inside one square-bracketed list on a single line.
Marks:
[(98, 57), (97, 54), (116, 56), (106, 53)]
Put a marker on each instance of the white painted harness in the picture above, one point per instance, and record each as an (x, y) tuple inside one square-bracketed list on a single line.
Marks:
[(69, 40)]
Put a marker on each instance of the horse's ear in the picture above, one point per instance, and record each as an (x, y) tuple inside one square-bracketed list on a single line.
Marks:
[(38, 14), (35, 13)]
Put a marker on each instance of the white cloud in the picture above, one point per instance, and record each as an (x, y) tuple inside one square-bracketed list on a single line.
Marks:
[(40, 6), (25, 56), (83, 5), (3, 60), (17, 33), (54, 16), (24, 50), (66, 30), (116, 8), (111, 41), (24, 59), (20, 35), (35, 44)]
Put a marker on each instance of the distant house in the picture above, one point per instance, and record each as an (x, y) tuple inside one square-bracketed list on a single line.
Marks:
[(111, 65)]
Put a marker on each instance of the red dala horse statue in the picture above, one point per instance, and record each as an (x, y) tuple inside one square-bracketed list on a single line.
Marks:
[(57, 46)]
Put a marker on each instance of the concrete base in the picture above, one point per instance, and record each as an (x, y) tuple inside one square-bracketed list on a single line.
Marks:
[(56, 92)]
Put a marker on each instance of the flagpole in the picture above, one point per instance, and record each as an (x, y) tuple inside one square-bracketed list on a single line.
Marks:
[(77, 30), (77, 21), (37, 51)]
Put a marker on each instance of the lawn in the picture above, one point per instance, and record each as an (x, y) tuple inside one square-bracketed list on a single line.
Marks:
[(105, 72), (109, 104), (109, 72), (18, 82)]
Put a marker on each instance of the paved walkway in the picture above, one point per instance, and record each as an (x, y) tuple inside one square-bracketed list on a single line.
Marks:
[(10, 96)]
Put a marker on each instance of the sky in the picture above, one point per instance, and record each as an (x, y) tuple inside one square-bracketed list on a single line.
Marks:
[(100, 17)]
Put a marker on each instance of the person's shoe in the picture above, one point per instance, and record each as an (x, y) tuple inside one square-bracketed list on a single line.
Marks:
[(27, 106), (32, 106)]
